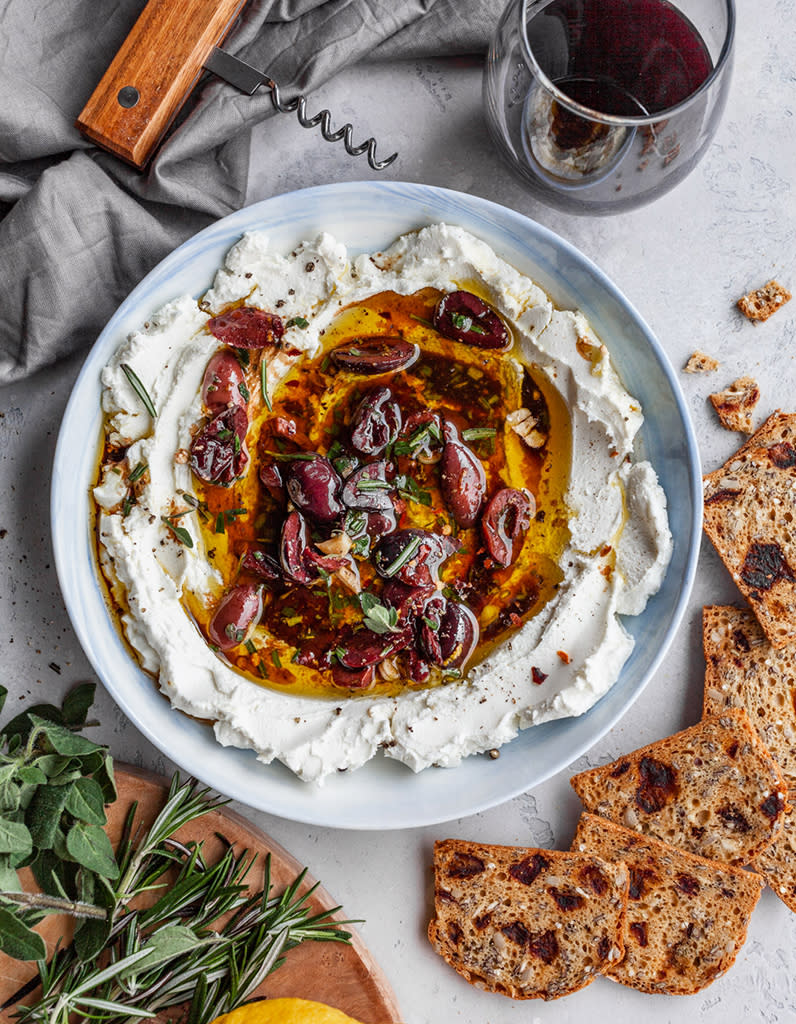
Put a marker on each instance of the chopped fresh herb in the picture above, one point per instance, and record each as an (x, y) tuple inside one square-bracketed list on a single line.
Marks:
[(420, 320), (478, 433), (409, 489), (220, 523), (264, 384), (297, 321), (378, 617), (127, 505), (195, 503), (373, 485), (262, 670), (275, 658), (140, 390), (138, 472), (234, 633), (462, 322), (225, 434), (405, 556), (244, 391), (249, 645), (182, 535), (287, 456), (243, 356)]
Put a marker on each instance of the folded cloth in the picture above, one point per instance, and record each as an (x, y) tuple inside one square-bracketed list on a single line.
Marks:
[(79, 228)]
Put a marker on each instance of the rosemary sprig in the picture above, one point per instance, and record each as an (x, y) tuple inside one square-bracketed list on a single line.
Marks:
[(264, 384), (201, 936), (140, 390)]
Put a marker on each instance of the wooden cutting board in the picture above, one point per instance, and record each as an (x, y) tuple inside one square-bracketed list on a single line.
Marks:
[(344, 976)]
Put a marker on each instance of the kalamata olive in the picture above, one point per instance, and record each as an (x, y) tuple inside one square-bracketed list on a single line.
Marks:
[(423, 431), (376, 422), (505, 523), (261, 564), (429, 620), (271, 479), (218, 452), (329, 563), (236, 616), (412, 556), (419, 668), (362, 679), (458, 635), (223, 383), (293, 546), (375, 353), (462, 478), (247, 327), (368, 489), (313, 485), (379, 524), (407, 600), (464, 317), (364, 647)]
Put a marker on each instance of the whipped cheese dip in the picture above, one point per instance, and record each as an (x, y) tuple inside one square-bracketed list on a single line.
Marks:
[(576, 643)]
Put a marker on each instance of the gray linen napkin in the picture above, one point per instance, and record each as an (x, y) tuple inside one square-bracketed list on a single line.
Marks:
[(80, 228)]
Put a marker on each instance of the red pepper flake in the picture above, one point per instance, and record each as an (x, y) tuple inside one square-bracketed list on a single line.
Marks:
[(537, 676), (606, 550), (564, 657)]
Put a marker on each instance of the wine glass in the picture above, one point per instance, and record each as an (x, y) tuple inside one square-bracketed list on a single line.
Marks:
[(602, 105)]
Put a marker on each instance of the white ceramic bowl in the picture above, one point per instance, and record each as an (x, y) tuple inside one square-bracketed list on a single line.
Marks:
[(383, 794)]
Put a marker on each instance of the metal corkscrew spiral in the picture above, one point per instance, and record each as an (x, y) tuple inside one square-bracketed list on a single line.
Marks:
[(324, 119), (248, 79)]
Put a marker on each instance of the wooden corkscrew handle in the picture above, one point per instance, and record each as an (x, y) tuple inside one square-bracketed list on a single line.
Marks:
[(151, 76)]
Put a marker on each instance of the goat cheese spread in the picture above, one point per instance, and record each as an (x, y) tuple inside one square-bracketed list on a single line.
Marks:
[(167, 540)]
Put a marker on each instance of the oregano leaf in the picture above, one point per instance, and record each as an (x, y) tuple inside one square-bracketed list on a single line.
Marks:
[(90, 846), (19, 941), (85, 802), (15, 838), (43, 815)]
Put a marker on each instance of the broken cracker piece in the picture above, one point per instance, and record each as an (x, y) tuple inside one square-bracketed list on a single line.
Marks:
[(701, 362), (761, 303), (736, 404)]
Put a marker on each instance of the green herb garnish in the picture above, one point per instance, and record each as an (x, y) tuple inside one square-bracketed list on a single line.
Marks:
[(478, 433), (182, 535), (378, 617), (297, 321), (264, 384), (138, 472), (244, 391), (140, 390), (275, 658), (405, 556)]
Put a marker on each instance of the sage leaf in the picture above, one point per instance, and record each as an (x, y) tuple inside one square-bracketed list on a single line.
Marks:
[(19, 941), (164, 945), (15, 838), (91, 937), (9, 879), (32, 775), (10, 798), (105, 778), (61, 739), (76, 704), (43, 815), (85, 802), (90, 846)]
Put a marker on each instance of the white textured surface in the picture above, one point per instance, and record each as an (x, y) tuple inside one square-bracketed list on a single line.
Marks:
[(682, 262)]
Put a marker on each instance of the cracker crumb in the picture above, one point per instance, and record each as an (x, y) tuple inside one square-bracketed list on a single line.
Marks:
[(735, 404), (760, 304), (701, 362)]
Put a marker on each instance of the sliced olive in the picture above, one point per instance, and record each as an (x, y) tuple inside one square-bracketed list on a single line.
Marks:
[(376, 422), (505, 523), (247, 327), (223, 383), (462, 478), (361, 679), (261, 564), (236, 616), (412, 556), (458, 635), (293, 546), (368, 489), (375, 353), (313, 485), (464, 317), (218, 452), (364, 647)]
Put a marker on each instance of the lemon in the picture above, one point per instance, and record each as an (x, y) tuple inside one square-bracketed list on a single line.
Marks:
[(285, 1011)]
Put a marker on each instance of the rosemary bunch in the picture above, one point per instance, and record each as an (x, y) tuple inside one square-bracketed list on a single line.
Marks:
[(161, 926)]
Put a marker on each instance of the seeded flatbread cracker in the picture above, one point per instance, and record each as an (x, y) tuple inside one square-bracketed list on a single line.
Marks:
[(762, 302), (777, 863), (701, 362), (750, 516), (735, 405), (529, 923), (743, 670), (712, 789), (687, 916)]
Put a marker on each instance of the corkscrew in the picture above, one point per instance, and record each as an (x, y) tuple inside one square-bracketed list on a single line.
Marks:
[(159, 63), (248, 79)]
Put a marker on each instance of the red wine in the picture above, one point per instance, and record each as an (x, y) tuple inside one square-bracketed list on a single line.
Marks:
[(623, 57)]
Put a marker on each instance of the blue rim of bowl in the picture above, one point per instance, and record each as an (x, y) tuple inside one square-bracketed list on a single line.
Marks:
[(422, 199)]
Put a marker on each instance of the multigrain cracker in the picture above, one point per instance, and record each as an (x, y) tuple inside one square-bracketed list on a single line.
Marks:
[(687, 916), (743, 670), (529, 923), (701, 362), (712, 789), (777, 863), (735, 404), (750, 517), (758, 305)]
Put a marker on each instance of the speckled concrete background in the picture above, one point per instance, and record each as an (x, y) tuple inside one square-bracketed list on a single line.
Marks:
[(683, 261)]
